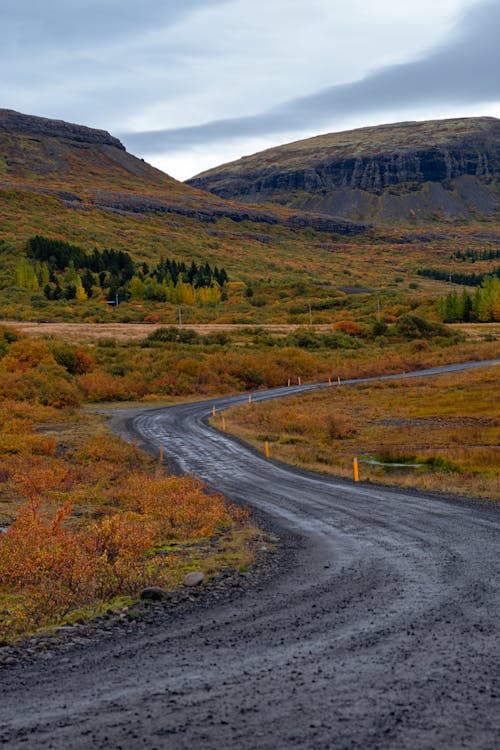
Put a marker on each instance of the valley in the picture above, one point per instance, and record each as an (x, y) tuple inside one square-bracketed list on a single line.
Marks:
[(301, 299)]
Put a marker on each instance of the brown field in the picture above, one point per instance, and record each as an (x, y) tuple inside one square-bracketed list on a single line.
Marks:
[(477, 331), (448, 425), (88, 332)]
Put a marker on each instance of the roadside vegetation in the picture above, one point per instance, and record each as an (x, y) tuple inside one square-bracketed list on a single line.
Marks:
[(437, 433), (87, 520)]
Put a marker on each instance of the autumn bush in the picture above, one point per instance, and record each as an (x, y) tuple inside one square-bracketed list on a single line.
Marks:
[(53, 562), (84, 512)]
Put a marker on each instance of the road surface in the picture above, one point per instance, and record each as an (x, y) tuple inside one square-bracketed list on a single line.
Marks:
[(381, 631)]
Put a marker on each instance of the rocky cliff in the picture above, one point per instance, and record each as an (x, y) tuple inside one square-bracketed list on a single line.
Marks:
[(447, 168), (83, 166), (15, 122)]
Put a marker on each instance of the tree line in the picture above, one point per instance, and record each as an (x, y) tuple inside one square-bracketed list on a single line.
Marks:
[(66, 271), (457, 277), (482, 307), (475, 255)]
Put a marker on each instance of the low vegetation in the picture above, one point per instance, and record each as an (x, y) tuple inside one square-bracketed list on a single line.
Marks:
[(444, 430), (84, 517)]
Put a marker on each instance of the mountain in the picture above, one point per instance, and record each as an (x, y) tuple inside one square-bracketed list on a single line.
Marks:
[(406, 172), (79, 186), (88, 168)]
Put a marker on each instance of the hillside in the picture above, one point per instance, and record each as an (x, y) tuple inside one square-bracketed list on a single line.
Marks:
[(85, 167), (78, 186), (406, 172)]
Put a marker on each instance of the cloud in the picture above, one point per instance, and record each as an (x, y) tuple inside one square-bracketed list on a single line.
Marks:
[(88, 21), (90, 61), (464, 70)]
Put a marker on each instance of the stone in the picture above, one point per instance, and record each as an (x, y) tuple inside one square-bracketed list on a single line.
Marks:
[(194, 578), (152, 594)]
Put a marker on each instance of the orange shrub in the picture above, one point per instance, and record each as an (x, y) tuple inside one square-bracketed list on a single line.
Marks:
[(100, 386), (348, 326), (25, 354), (50, 564)]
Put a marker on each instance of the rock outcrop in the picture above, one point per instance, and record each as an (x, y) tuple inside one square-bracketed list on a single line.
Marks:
[(407, 170), (15, 122)]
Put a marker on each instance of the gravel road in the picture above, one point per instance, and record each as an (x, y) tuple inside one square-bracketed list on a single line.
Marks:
[(381, 630)]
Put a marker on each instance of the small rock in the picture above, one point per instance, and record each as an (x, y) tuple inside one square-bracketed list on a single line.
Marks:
[(152, 594), (193, 579)]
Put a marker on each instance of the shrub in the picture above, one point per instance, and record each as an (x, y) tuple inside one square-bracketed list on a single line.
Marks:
[(172, 334), (74, 359), (350, 327), (340, 426), (411, 327)]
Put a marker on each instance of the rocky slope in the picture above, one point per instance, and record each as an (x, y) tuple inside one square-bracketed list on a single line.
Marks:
[(407, 171), (85, 167)]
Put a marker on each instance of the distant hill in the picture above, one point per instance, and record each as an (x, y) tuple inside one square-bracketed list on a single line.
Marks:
[(85, 168), (407, 172)]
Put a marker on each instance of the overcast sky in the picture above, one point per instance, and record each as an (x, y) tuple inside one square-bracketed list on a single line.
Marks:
[(189, 84)]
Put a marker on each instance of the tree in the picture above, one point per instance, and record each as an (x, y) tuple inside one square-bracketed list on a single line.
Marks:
[(25, 275)]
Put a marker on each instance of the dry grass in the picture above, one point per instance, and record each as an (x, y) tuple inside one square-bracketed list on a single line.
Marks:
[(88, 332), (450, 424), (477, 331)]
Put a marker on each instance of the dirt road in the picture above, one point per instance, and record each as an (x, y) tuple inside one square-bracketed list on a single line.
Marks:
[(381, 631)]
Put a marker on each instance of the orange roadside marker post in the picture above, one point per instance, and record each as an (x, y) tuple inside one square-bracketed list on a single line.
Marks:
[(267, 449), (355, 469)]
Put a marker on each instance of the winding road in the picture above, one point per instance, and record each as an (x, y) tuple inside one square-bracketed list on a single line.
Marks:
[(381, 630)]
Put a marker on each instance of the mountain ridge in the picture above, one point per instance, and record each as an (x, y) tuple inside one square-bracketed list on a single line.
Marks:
[(396, 171), (38, 154), (16, 122)]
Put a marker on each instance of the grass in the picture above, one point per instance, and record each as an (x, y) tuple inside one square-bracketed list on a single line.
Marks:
[(449, 423)]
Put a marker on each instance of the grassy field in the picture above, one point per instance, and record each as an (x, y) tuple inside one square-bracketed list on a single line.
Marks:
[(91, 332), (446, 427)]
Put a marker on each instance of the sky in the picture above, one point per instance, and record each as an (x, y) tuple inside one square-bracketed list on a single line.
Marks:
[(191, 84)]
